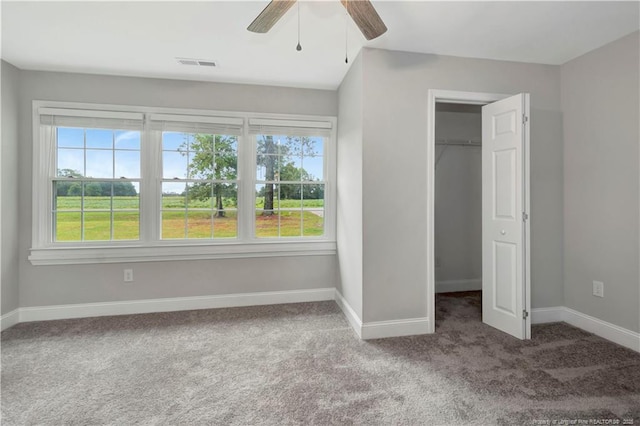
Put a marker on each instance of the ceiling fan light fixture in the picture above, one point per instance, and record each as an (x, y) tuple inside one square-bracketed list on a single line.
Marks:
[(361, 11)]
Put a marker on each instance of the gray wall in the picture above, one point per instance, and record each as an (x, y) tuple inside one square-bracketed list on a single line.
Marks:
[(600, 100), (9, 190), (458, 199), (51, 285), (396, 86), (350, 187)]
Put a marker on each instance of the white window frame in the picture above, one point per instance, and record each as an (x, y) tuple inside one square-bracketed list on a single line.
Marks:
[(150, 247)]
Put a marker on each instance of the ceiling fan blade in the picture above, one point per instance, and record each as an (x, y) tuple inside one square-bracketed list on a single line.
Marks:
[(270, 15), (365, 17)]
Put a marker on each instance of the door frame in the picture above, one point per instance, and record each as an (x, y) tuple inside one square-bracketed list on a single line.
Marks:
[(473, 98)]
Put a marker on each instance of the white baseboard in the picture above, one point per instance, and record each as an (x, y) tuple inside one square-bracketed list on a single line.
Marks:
[(352, 317), (367, 330), (544, 315), (612, 332), (9, 319), (449, 286), (606, 330), (395, 328), (381, 329), (43, 313)]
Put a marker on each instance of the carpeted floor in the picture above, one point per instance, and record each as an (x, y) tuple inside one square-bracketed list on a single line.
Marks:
[(302, 364)]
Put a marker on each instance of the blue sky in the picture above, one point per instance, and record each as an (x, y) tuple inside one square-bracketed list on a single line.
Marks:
[(109, 154)]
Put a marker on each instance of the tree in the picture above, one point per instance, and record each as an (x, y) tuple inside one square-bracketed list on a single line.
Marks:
[(119, 189), (75, 189), (63, 187), (267, 157), (93, 189), (213, 157), (69, 188)]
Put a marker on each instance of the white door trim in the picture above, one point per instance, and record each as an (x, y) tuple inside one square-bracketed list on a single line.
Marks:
[(450, 96)]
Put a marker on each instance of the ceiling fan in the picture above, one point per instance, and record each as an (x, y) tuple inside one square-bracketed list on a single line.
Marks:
[(362, 12)]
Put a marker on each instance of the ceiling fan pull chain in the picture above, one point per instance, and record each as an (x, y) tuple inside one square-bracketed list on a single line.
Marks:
[(299, 46), (346, 32)]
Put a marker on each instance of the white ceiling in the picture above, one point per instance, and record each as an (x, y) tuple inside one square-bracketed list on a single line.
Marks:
[(144, 38)]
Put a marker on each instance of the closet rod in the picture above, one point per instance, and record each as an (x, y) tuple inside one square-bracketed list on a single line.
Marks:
[(458, 142)]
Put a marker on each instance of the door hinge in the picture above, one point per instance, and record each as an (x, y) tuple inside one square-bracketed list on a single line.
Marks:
[(524, 119), (525, 314), (524, 217)]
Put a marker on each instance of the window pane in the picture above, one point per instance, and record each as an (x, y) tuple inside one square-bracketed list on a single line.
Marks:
[(173, 195), (291, 170), (313, 213), (313, 147), (99, 138), (68, 195), (68, 226), (268, 167), (174, 141), (200, 195), (268, 145), (99, 163), (225, 195), (313, 193), (127, 139), (313, 222), (290, 223), (202, 142), (125, 195), (225, 143), (287, 209), (201, 165), (126, 226), (199, 224), (266, 196), (267, 223), (313, 168), (291, 146), (225, 204), (290, 195), (174, 165), (97, 226), (225, 158), (97, 195), (226, 226), (173, 224), (127, 164), (70, 137), (70, 162)]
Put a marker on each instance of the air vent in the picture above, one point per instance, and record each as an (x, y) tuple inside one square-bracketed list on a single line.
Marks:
[(197, 62), (187, 62)]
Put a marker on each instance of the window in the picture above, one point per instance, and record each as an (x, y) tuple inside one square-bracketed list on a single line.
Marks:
[(290, 177), (131, 183), (199, 186), (96, 178)]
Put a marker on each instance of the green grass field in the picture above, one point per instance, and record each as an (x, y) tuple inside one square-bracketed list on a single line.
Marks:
[(177, 223)]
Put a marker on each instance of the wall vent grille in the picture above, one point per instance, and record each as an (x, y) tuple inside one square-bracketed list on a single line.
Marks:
[(197, 62)]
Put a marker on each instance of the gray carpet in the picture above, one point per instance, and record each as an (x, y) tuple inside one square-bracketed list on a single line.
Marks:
[(302, 364)]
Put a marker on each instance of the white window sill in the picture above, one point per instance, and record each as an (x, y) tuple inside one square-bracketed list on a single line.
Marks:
[(138, 253)]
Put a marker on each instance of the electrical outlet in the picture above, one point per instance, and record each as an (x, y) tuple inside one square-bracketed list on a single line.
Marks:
[(598, 288), (128, 275)]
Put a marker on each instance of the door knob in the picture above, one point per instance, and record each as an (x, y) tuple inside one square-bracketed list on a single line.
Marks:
[(503, 232)]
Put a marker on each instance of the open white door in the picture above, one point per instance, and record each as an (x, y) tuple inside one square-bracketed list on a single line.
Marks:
[(505, 208)]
